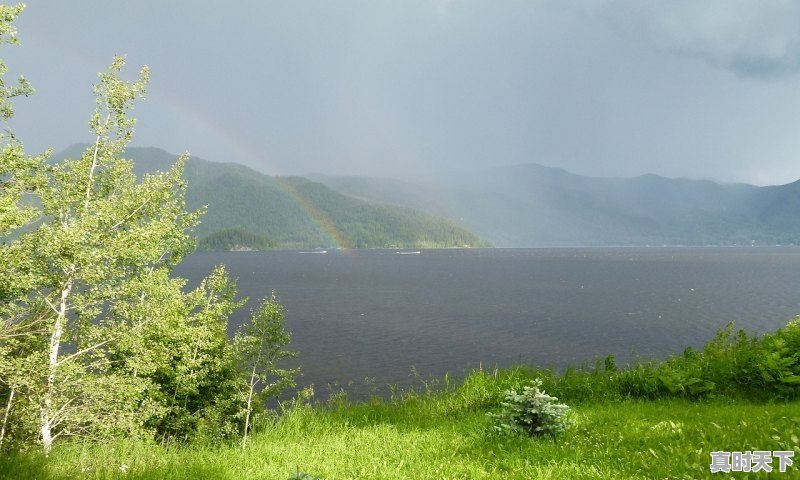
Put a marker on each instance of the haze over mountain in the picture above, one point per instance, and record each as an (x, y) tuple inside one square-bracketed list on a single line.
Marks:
[(250, 210), (531, 205), (526, 205)]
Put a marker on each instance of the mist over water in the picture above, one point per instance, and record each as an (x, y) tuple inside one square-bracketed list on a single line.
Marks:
[(365, 319)]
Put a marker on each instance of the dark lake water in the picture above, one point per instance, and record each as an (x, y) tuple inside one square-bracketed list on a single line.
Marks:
[(365, 319)]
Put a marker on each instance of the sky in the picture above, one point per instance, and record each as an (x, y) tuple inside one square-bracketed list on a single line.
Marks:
[(686, 88)]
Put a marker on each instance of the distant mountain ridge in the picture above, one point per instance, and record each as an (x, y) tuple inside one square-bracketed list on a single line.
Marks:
[(250, 210), (531, 205), (526, 205)]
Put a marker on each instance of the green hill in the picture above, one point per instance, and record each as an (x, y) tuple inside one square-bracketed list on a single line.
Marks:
[(250, 210)]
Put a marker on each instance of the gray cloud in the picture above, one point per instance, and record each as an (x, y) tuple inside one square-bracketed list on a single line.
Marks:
[(749, 37), (384, 87)]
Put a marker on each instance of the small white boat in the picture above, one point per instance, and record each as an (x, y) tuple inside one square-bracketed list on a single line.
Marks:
[(408, 253)]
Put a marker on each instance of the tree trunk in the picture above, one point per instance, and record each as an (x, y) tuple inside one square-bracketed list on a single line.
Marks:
[(249, 407), (253, 382), (47, 410), (5, 417)]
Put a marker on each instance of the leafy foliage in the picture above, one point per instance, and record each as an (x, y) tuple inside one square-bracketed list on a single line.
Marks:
[(18, 171), (97, 340), (732, 364), (532, 412), (259, 345), (98, 232), (182, 350)]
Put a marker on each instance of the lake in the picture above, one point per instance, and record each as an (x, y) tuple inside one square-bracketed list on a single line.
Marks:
[(363, 319)]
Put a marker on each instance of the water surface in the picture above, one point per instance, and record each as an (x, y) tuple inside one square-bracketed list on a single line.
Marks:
[(362, 319)]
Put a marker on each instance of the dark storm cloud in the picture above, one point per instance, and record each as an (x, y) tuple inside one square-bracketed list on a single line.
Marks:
[(604, 87)]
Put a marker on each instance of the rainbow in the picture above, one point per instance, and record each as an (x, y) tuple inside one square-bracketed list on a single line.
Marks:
[(317, 216), (243, 150)]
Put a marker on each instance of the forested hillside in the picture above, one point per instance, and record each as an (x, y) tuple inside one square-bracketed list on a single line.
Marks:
[(292, 212)]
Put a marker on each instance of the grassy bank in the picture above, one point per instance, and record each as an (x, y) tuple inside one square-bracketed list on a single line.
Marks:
[(648, 420), (444, 433)]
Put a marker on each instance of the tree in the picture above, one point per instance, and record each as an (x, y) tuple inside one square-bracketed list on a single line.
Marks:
[(259, 346), (96, 337), (99, 233), (183, 351)]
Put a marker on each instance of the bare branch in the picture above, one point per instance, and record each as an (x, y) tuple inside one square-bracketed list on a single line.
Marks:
[(94, 164), (81, 352), (54, 419), (130, 215), (44, 297)]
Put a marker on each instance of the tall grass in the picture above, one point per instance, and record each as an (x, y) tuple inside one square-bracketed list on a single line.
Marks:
[(445, 435), (647, 420)]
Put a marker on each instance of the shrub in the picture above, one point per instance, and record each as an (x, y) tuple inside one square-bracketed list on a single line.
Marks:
[(532, 412), (779, 364)]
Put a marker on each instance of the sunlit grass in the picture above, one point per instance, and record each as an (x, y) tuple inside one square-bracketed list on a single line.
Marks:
[(447, 435)]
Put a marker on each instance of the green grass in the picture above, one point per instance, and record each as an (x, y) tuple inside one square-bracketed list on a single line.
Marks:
[(442, 432)]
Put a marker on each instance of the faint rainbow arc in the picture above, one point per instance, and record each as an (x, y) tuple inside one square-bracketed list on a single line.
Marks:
[(242, 148), (320, 218)]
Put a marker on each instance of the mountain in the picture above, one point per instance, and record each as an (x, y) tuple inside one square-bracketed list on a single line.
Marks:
[(250, 210), (533, 205)]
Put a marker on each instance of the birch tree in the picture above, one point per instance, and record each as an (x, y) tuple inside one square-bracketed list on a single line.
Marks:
[(96, 337), (260, 345), (99, 232)]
